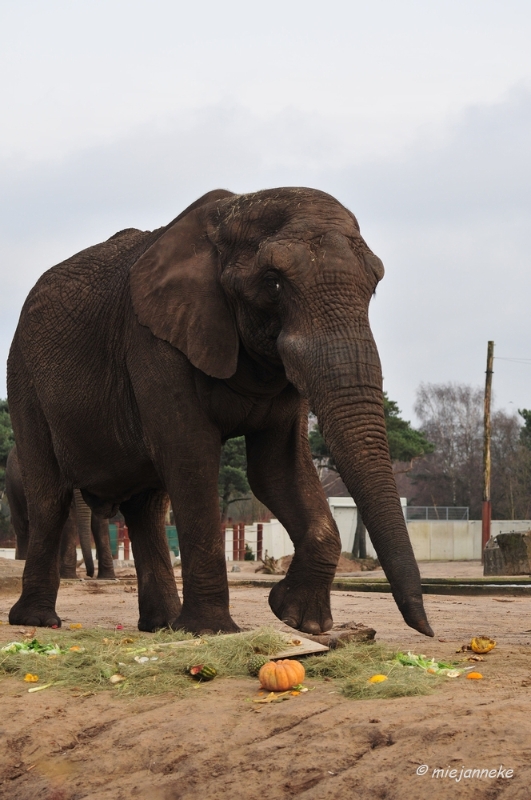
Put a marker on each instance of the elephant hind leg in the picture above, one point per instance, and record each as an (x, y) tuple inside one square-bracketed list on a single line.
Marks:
[(158, 599), (48, 496), (40, 581)]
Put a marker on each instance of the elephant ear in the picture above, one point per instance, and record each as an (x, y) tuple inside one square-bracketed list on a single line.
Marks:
[(177, 294)]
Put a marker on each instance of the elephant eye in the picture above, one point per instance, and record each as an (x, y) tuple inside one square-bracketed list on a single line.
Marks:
[(272, 283)]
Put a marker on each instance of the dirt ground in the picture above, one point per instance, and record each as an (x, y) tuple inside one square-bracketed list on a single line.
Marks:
[(216, 743)]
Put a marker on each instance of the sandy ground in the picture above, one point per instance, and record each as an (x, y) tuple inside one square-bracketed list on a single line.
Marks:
[(217, 744)]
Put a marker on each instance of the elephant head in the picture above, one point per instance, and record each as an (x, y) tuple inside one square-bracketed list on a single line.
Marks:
[(285, 275)]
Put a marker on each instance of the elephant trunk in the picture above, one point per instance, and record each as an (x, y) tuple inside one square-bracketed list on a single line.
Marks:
[(341, 376), (83, 515)]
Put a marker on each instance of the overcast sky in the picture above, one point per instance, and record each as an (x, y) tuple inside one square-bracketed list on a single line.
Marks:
[(416, 115)]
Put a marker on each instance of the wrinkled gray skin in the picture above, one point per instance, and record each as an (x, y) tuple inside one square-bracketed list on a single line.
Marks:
[(136, 359), (80, 523)]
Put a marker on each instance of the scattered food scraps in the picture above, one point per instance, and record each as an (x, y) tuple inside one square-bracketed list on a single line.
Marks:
[(40, 688), (475, 676), (202, 672), (482, 644), (117, 678), (378, 678), (429, 665), (75, 626), (273, 697), (31, 647), (255, 664), (29, 678)]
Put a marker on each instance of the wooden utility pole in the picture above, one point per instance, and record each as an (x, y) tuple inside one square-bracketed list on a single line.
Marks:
[(486, 513)]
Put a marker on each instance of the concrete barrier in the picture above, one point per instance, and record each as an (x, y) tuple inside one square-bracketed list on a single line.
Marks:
[(432, 540)]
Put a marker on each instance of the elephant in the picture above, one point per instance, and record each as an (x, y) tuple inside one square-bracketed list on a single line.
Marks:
[(81, 522), (136, 359)]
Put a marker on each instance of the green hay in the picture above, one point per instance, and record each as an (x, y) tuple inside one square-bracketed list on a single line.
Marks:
[(354, 664), (106, 654)]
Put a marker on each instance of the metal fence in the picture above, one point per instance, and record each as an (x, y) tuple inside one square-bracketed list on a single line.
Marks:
[(436, 513)]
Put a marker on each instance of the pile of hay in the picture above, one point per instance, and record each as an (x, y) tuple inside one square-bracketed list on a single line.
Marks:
[(147, 664), (355, 664)]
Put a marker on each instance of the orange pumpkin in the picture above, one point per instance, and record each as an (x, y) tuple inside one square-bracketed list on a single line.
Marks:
[(279, 676)]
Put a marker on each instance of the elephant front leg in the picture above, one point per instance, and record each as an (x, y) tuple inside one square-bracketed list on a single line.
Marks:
[(282, 475), (204, 568), (158, 599)]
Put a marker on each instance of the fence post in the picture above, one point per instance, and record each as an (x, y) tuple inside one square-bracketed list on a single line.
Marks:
[(223, 532), (234, 542), (126, 543), (241, 541), (119, 537), (259, 541)]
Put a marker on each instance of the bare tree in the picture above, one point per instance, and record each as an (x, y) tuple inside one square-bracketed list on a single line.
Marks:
[(511, 468), (451, 417)]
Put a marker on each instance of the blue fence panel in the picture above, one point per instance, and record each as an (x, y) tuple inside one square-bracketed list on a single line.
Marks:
[(173, 539), (113, 535), (171, 535)]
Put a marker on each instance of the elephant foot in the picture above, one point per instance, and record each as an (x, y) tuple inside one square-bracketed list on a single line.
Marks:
[(152, 624), (204, 623), (301, 606), (68, 574), (106, 575), (34, 616), (156, 620), (158, 606)]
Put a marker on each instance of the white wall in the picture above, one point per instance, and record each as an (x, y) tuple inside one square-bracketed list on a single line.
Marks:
[(441, 540), (434, 540), (275, 540), (345, 514)]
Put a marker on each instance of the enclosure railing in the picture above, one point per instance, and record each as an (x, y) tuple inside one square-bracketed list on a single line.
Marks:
[(119, 538), (445, 513)]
